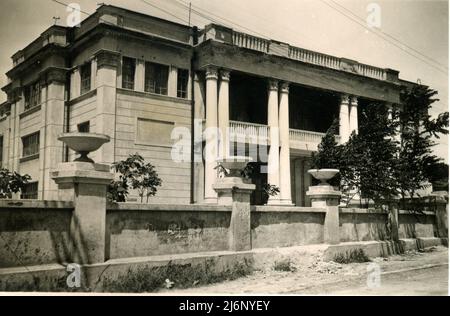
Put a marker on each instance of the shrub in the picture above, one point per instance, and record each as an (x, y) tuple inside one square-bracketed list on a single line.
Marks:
[(353, 256)]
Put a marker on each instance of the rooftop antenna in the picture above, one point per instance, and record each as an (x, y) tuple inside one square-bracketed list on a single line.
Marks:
[(190, 9), (56, 18)]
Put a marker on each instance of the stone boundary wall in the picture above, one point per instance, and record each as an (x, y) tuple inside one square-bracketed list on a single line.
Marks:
[(39, 232)]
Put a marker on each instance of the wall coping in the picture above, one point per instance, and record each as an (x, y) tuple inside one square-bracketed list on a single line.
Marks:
[(167, 207), (286, 209), (344, 210), (36, 204)]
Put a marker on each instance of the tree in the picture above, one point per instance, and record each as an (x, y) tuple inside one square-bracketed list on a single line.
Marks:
[(366, 162), (369, 158), (11, 182), (416, 159), (134, 173)]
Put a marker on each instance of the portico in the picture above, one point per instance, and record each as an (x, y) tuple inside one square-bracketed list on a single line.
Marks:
[(277, 122)]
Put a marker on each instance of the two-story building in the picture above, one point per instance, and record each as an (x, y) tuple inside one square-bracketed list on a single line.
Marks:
[(136, 78)]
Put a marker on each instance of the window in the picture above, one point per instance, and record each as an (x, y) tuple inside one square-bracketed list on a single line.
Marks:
[(32, 95), (85, 73), (30, 191), (30, 145), (182, 83), (128, 71), (84, 127), (156, 78), (1, 150)]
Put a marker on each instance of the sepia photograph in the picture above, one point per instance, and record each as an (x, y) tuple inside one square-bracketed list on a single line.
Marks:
[(240, 150)]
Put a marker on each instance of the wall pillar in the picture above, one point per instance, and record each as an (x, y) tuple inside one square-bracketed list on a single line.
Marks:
[(86, 184), (324, 196), (105, 120), (344, 120), (211, 132), (139, 75), (235, 192), (173, 79), (353, 121), (285, 153), (224, 113), (441, 201), (273, 163), (52, 125)]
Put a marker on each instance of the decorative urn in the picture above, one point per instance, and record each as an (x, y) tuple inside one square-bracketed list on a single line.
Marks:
[(323, 174), (84, 143), (234, 164)]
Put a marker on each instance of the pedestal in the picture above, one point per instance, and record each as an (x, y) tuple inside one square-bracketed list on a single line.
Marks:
[(324, 196), (235, 192), (86, 185), (441, 200)]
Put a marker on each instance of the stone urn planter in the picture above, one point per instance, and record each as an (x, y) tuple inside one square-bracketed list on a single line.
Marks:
[(84, 143), (234, 164), (323, 174)]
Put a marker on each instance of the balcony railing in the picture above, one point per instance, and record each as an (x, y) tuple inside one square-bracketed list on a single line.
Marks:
[(260, 134), (249, 132), (307, 56)]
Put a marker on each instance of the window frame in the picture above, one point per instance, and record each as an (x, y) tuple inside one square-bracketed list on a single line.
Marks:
[(32, 195), (32, 95), (128, 78), (27, 152), (182, 93), (156, 78), (85, 78), (83, 125)]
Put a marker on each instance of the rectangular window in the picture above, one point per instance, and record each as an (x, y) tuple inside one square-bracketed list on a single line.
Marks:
[(32, 95), (84, 127), (182, 83), (85, 73), (30, 191), (1, 150), (30, 145), (156, 78), (128, 71)]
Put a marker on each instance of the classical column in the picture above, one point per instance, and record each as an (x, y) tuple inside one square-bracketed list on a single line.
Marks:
[(391, 109), (285, 162), (224, 112), (211, 135), (353, 115), (344, 120), (273, 163)]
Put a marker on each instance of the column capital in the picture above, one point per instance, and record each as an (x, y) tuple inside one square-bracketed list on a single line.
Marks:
[(345, 98), (212, 73), (284, 87), (225, 74), (106, 58), (354, 100), (273, 84)]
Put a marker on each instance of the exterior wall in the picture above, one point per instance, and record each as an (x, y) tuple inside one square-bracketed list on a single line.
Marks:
[(147, 232), (362, 225), (154, 109), (37, 233), (291, 226), (414, 225)]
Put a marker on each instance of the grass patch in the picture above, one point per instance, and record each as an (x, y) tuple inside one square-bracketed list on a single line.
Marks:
[(284, 266), (173, 276), (353, 256)]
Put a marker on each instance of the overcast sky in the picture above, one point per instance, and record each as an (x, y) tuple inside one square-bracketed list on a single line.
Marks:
[(312, 24)]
